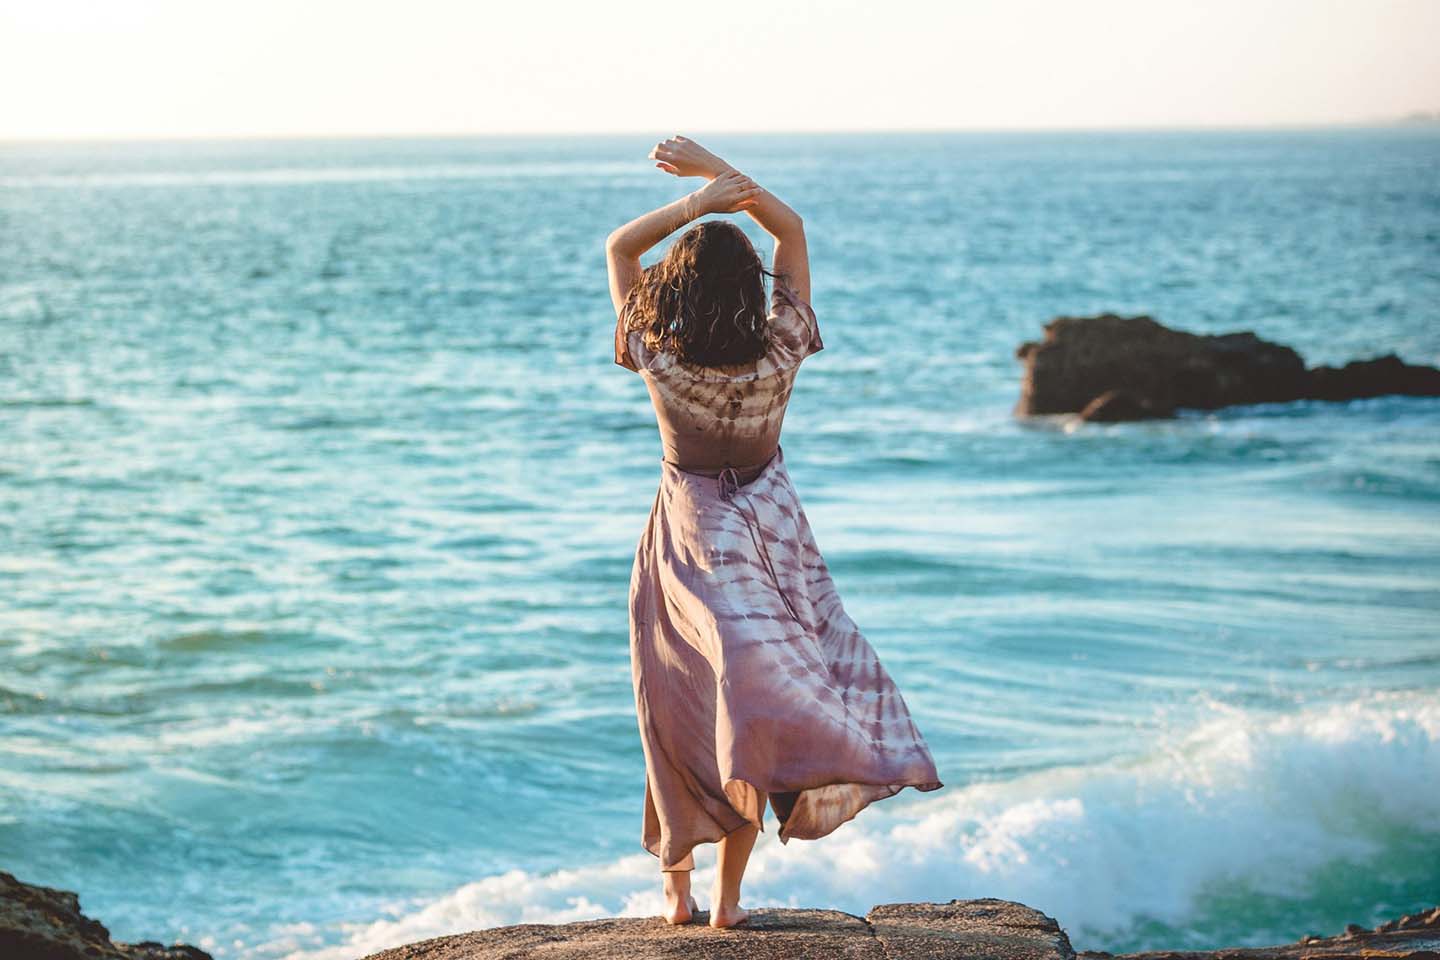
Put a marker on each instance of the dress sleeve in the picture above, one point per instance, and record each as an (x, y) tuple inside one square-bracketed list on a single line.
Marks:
[(793, 324), (622, 347), (630, 351)]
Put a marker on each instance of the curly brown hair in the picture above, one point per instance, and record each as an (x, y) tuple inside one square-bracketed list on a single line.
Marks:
[(704, 300)]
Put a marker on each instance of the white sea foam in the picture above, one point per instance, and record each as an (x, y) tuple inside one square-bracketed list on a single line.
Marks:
[(1263, 800)]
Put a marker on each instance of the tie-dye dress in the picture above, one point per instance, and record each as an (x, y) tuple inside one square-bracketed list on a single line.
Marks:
[(749, 676)]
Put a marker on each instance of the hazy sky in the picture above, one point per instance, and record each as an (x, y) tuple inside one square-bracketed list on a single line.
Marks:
[(191, 68)]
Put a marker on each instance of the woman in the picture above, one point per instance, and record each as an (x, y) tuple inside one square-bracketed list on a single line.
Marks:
[(751, 681)]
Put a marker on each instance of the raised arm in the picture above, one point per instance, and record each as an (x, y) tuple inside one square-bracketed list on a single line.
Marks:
[(723, 194), (684, 157), (792, 256)]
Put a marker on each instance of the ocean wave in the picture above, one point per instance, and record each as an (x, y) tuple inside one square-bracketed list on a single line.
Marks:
[(1230, 832)]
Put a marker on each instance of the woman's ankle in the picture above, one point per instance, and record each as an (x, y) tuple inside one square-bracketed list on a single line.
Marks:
[(719, 901)]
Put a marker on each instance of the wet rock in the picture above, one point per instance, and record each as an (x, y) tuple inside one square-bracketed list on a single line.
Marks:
[(42, 923), (1373, 378), (1112, 368), (1411, 937)]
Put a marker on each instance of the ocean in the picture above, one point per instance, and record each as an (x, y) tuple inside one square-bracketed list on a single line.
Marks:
[(319, 491)]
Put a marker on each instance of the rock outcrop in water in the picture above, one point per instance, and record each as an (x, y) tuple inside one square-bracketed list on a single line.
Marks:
[(1111, 368), (987, 929), (42, 923)]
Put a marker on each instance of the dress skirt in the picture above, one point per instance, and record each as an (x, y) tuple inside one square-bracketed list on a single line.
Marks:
[(750, 677)]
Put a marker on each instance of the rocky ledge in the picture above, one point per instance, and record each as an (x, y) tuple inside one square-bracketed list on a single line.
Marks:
[(985, 929), (1111, 368), (40, 923)]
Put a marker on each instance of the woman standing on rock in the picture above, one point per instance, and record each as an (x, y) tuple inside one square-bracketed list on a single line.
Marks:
[(751, 681)]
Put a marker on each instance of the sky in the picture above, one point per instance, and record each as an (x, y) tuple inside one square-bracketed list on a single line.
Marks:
[(278, 68)]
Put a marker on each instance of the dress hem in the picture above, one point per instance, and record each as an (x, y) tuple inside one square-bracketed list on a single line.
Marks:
[(925, 786)]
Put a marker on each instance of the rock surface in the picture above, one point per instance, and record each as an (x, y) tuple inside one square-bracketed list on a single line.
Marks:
[(987, 929), (1113, 368), (977, 929), (42, 923)]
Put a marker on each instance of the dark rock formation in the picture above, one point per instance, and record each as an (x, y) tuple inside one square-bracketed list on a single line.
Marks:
[(1411, 937), (1129, 368), (42, 923), (1372, 378), (986, 929)]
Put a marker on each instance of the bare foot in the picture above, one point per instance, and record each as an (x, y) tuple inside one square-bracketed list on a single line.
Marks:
[(678, 911), (722, 916)]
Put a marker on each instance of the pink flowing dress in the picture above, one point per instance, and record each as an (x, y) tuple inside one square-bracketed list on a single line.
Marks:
[(749, 675)]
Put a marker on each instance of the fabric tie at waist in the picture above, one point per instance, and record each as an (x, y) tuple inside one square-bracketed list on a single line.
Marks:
[(729, 481)]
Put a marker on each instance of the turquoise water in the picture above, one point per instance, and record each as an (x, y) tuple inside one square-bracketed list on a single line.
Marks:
[(319, 492)]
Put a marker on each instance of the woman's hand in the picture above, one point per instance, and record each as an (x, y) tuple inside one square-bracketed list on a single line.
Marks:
[(729, 192), (684, 157)]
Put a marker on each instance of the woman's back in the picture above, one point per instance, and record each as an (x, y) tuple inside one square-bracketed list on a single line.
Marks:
[(713, 417)]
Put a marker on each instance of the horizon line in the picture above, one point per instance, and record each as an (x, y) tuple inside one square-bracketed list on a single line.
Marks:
[(1414, 119)]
